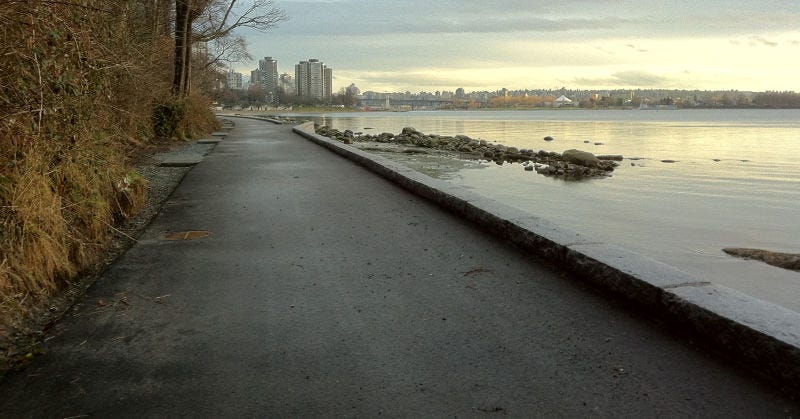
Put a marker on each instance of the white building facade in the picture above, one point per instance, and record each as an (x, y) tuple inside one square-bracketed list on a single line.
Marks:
[(313, 80)]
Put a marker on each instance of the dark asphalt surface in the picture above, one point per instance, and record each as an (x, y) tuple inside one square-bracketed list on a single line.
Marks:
[(326, 291)]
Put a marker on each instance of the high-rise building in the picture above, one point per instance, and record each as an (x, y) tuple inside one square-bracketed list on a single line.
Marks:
[(269, 77), (313, 80), (327, 87), (255, 77), (234, 80)]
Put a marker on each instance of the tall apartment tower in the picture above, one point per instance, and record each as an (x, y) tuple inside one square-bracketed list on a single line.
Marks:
[(327, 89), (269, 77), (313, 80), (255, 77)]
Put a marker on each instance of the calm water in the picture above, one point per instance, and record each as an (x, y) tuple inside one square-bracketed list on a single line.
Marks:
[(680, 213)]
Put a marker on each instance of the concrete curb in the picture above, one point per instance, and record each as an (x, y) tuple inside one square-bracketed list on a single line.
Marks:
[(272, 120), (762, 336)]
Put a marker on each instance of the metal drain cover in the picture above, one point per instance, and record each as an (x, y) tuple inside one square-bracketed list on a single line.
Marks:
[(188, 235)]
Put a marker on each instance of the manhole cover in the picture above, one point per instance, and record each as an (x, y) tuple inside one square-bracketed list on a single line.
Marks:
[(188, 235)]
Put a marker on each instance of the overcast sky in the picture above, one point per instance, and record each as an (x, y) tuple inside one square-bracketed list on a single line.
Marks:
[(430, 45)]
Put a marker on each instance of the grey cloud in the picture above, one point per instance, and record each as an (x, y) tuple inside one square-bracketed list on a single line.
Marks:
[(634, 47), (377, 17), (758, 40), (603, 50), (420, 81), (633, 78), (638, 78), (617, 18), (517, 24), (433, 24)]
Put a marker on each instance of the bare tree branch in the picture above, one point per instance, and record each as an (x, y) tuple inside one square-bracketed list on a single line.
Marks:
[(228, 50), (222, 17)]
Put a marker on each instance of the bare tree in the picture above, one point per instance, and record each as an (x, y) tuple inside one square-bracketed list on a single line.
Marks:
[(204, 21), (222, 17), (182, 25), (227, 49)]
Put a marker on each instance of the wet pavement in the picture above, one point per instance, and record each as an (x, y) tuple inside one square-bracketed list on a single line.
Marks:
[(282, 280)]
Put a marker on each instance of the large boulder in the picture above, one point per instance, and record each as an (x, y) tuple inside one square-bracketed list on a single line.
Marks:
[(583, 158), (782, 260), (410, 131), (385, 137)]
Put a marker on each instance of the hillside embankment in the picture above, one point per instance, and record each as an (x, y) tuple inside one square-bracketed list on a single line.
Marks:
[(74, 121)]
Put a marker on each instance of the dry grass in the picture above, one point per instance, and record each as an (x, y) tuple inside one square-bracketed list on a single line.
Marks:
[(199, 118), (78, 84)]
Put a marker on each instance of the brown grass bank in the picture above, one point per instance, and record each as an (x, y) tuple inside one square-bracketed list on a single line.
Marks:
[(80, 82)]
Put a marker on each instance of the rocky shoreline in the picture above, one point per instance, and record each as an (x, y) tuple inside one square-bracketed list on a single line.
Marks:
[(790, 261), (569, 165)]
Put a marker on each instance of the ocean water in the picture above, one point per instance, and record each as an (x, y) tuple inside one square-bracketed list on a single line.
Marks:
[(735, 181)]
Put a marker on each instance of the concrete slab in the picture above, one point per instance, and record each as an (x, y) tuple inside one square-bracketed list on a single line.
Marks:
[(209, 141), (219, 134), (183, 161)]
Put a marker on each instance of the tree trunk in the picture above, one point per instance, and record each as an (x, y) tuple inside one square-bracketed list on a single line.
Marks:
[(182, 29), (187, 80)]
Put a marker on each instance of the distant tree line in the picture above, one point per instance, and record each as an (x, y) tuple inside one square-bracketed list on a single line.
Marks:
[(777, 100)]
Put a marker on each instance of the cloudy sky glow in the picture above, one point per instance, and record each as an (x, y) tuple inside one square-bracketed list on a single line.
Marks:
[(430, 45)]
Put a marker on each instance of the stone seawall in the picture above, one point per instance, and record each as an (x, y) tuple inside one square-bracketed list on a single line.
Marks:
[(763, 337)]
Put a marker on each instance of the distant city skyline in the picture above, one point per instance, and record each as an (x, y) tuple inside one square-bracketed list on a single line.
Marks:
[(416, 45)]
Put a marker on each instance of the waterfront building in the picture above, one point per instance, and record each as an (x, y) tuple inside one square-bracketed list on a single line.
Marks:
[(269, 78), (313, 80), (563, 101), (327, 87), (268, 68)]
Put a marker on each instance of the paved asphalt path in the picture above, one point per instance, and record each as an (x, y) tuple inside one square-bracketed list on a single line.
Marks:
[(325, 291)]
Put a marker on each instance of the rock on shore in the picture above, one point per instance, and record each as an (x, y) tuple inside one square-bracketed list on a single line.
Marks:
[(789, 261), (583, 158), (571, 165)]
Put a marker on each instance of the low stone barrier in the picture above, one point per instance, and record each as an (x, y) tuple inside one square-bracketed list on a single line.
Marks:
[(763, 337)]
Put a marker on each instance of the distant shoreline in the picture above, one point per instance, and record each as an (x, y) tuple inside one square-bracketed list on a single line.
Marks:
[(321, 109)]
